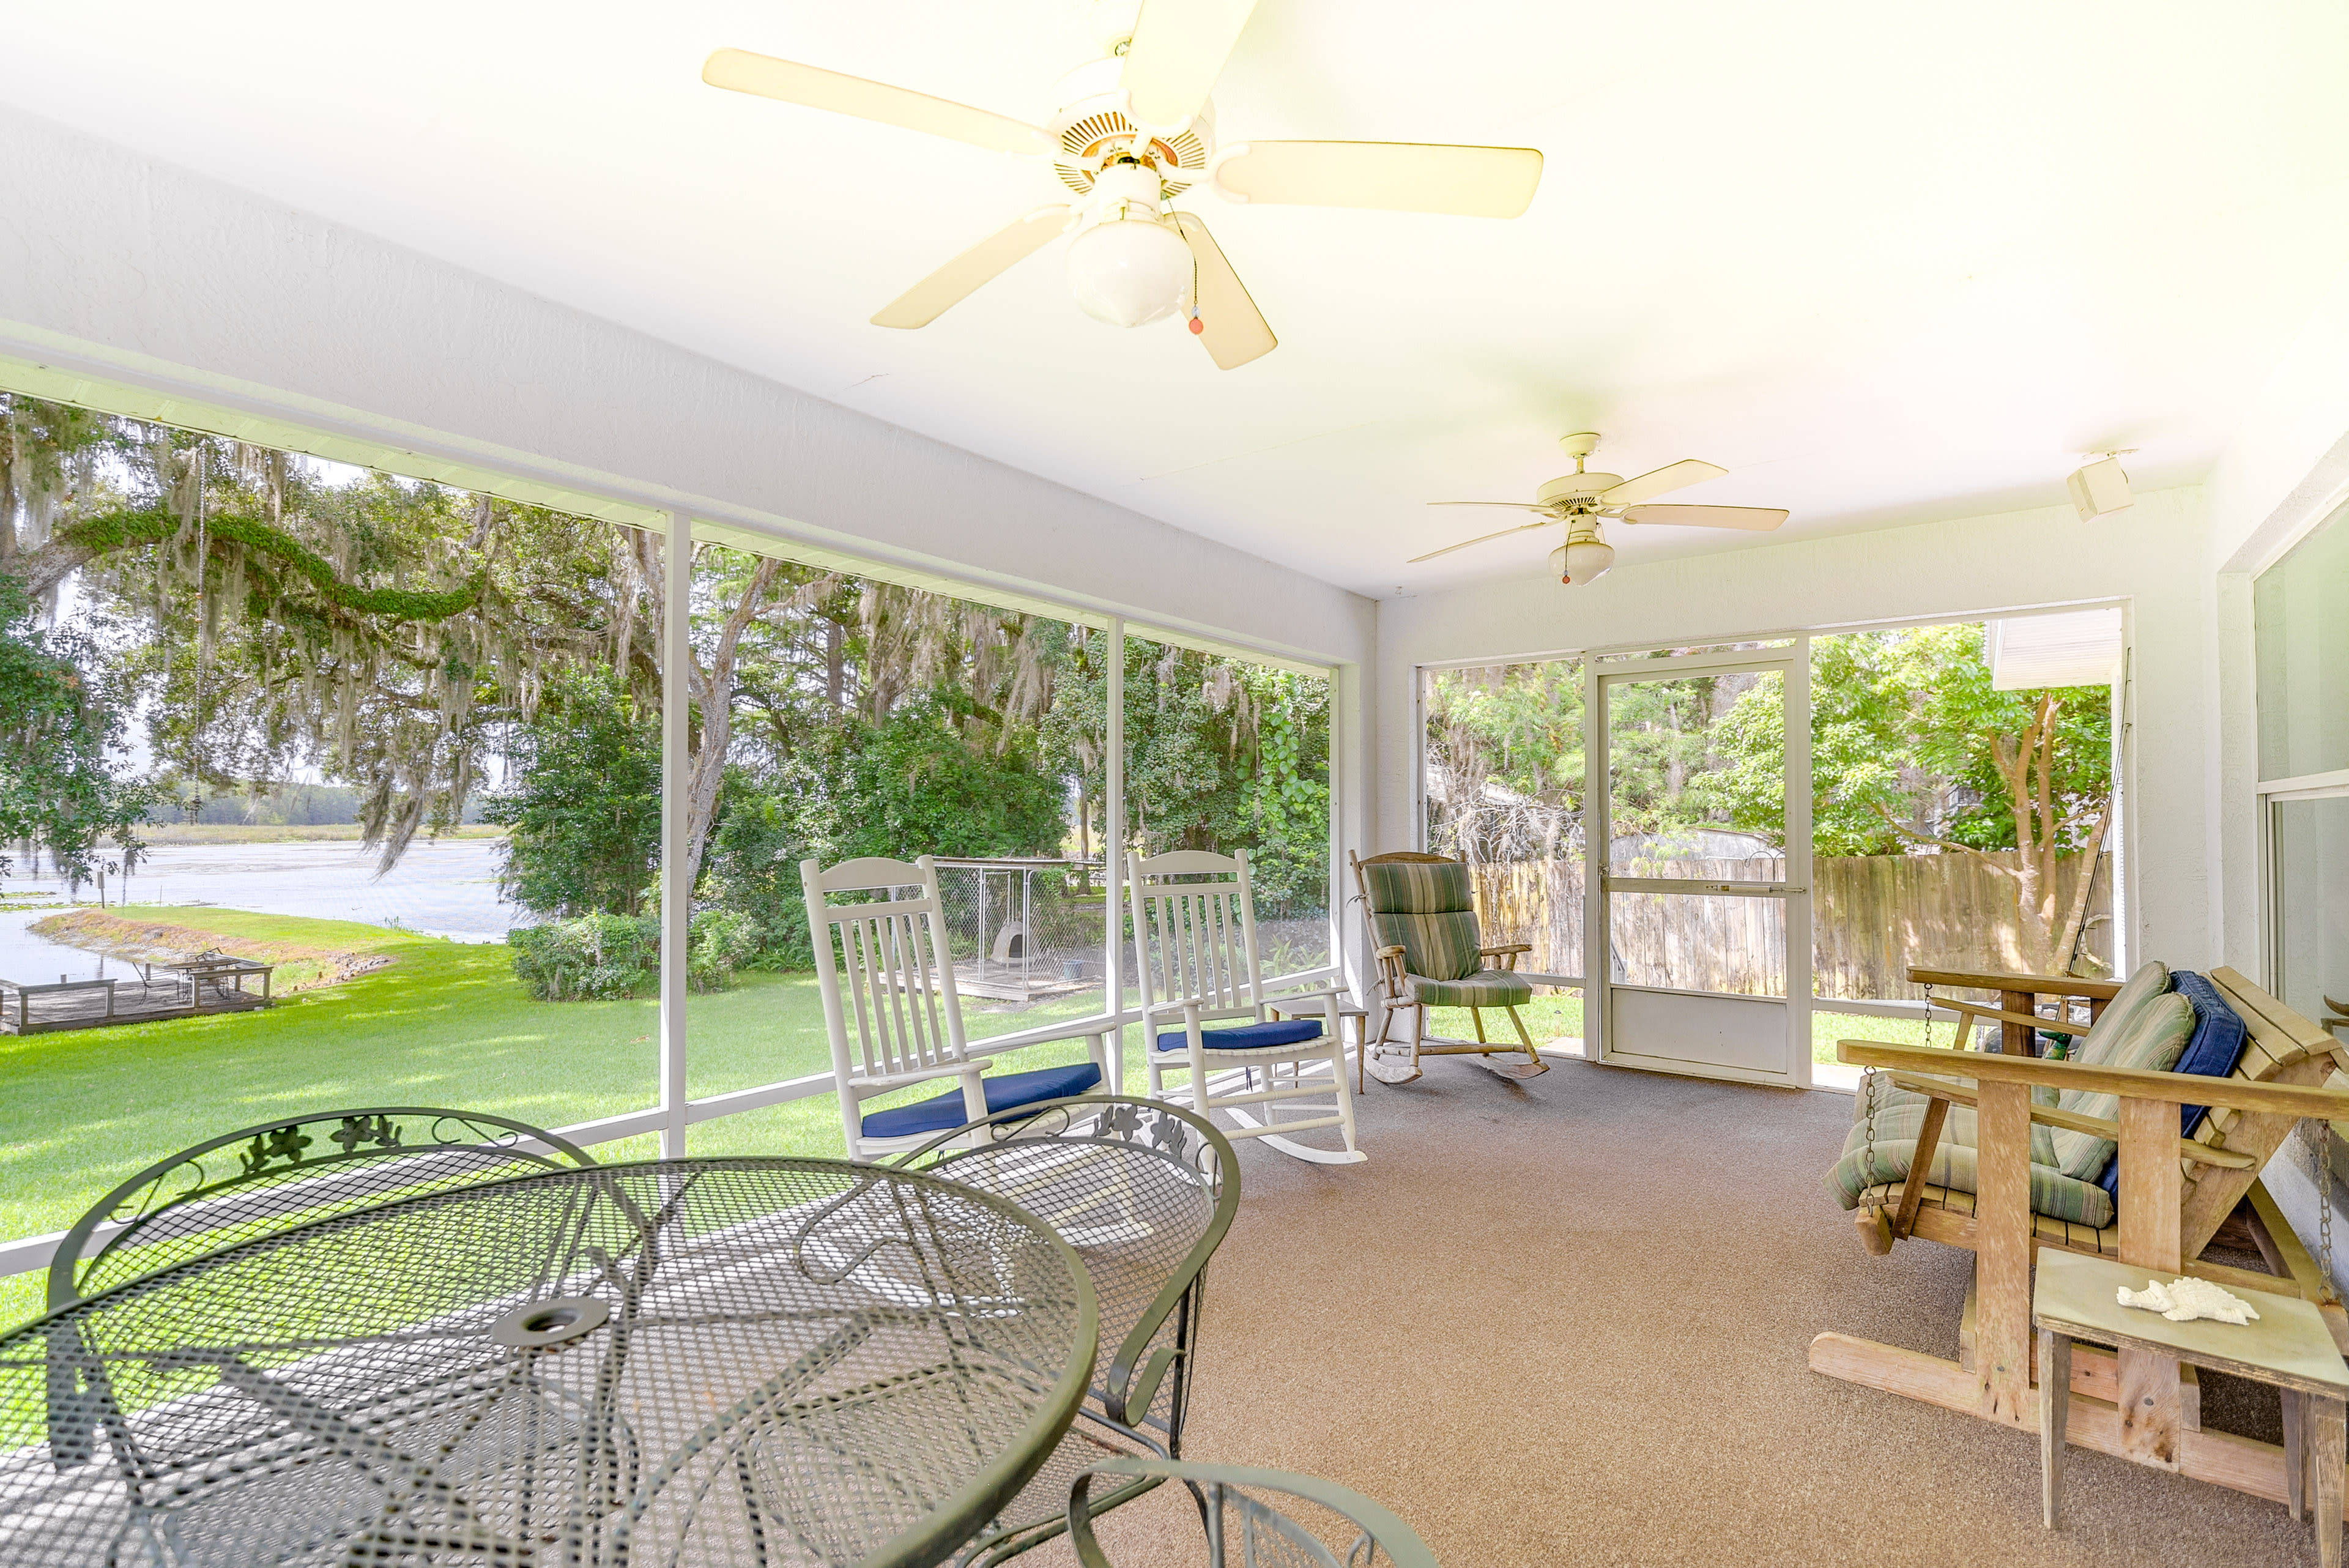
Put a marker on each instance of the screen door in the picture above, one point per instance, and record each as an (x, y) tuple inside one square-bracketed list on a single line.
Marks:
[(1699, 863)]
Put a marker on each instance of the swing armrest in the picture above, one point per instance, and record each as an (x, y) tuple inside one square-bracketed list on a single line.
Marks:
[(2039, 984), (1983, 1010), (1941, 1089)]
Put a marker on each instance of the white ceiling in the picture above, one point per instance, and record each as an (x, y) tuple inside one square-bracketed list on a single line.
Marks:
[(1885, 263)]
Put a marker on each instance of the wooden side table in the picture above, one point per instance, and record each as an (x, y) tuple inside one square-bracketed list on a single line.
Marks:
[(1351, 1020), (2286, 1347)]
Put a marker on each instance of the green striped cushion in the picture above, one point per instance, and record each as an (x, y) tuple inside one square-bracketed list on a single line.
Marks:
[(1485, 988), (1898, 1122), (1440, 947), (1419, 887), (2095, 1047), (1901, 1112), (2154, 1040)]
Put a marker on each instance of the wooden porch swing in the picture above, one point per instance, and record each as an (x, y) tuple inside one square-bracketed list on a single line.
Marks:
[(2174, 1196)]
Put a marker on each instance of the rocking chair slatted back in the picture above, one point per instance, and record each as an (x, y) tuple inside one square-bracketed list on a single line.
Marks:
[(888, 964), (1197, 938)]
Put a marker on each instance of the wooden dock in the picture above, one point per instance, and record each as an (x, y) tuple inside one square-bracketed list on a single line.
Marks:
[(98, 1003)]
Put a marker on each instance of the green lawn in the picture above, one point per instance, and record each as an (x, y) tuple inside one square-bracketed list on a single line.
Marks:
[(445, 1024)]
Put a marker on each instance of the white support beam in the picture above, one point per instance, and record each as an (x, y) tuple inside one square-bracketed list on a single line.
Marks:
[(677, 790), (1113, 830)]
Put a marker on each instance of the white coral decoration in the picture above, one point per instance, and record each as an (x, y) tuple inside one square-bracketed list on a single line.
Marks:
[(2189, 1298)]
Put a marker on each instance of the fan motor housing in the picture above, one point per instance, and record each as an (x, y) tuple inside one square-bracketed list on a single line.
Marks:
[(1576, 487), (1093, 123)]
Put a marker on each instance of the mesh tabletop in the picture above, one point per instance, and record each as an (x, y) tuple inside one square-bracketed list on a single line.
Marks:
[(688, 1362)]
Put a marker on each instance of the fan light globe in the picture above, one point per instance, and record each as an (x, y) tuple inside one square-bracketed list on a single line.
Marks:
[(1130, 271), (1583, 561)]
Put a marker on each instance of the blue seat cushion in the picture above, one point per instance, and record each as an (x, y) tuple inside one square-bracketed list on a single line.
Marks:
[(1005, 1091), (1247, 1037), (2211, 1052)]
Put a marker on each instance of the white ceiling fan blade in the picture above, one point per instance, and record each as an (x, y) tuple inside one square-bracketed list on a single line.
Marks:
[(1230, 326), (1657, 481), (1761, 519), (1178, 50), (739, 70), (1481, 538), (928, 299), (1400, 176)]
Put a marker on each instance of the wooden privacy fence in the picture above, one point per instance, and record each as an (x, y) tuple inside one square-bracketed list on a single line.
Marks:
[(1872, 917)]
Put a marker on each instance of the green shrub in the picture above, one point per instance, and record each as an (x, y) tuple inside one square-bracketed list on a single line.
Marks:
[(724, 941), (594, 957), (598, 958)]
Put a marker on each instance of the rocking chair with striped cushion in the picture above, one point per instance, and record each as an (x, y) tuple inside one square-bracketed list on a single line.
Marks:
[(1422, 910)]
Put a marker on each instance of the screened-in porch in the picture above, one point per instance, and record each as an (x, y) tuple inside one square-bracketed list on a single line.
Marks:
[(1546, 832)]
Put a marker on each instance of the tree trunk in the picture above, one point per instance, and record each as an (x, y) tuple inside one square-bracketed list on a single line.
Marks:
[(713, 691)]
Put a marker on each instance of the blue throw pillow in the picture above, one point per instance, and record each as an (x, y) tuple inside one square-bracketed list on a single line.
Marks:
[(2212, 1051)]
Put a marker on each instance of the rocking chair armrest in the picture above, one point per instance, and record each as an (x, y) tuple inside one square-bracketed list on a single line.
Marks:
[(1319, 1002), (880, 1082), (1504, 948), (1186, 1009)]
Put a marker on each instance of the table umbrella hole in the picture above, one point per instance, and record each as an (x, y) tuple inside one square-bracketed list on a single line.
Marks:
[(548, 1323)]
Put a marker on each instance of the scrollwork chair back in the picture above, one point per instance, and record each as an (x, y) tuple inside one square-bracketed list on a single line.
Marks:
[(1144, 1192), (262, 1180)]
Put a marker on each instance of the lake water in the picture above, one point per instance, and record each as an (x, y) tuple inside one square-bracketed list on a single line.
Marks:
[(443, 888)]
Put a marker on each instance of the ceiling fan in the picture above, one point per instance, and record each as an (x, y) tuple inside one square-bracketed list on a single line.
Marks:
[(1583, 501), (1134, 130)]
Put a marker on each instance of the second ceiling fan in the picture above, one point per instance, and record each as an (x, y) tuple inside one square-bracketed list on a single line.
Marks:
[(1584, 501), (1134, 129)]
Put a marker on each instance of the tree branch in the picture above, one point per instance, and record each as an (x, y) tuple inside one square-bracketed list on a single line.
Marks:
[(1901, 827)]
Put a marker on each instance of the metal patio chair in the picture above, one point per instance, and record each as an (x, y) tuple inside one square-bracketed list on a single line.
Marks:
[(261, 1179), (886, 970), (1195, 947), (1144, 1192), (247, 1184), (1245, 1529)]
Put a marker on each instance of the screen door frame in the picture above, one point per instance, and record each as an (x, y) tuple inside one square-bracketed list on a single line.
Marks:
[(1653, 1016)]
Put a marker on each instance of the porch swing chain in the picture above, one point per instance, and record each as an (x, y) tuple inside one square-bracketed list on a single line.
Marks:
[(1868, 1097), (2320, 1157)]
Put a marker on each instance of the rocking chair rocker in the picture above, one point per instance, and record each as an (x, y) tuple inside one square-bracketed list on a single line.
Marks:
[(1422, 910)]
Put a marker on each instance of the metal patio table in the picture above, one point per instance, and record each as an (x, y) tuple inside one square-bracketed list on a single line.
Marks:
[(758, 1361)]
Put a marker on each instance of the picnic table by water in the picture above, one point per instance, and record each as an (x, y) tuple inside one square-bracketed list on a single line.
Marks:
[(444, 887)]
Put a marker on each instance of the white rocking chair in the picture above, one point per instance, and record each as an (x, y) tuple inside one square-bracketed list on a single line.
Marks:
[(1195, 943), (900, 988)]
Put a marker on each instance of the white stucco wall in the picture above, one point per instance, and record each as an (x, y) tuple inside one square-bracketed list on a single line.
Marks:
[(2150, 555)]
